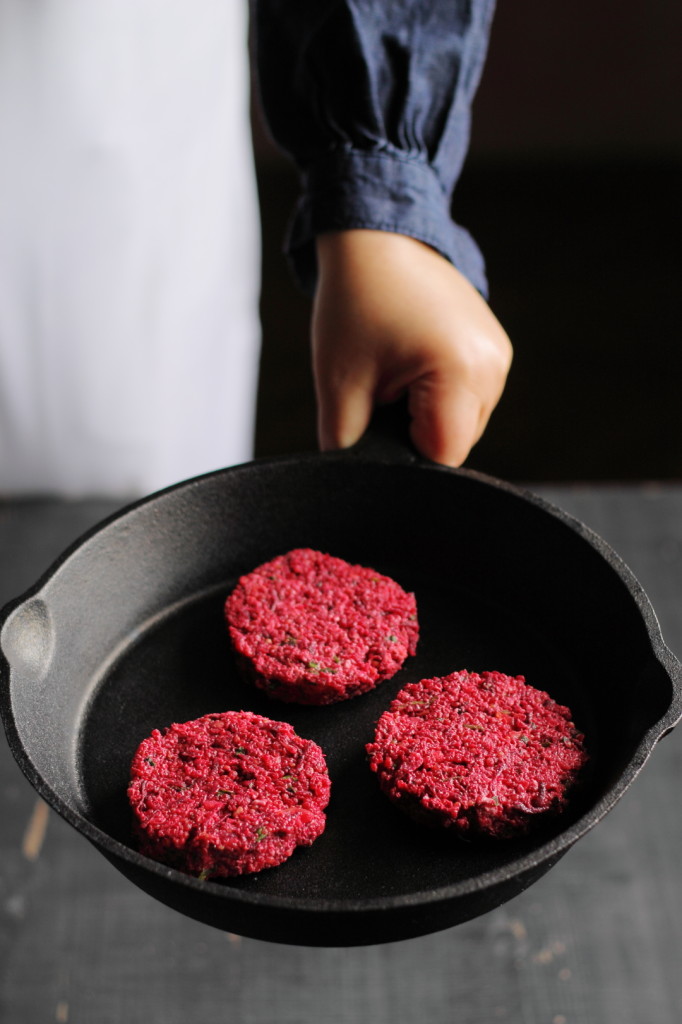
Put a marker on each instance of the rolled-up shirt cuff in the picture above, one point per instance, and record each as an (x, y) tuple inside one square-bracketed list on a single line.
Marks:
[(384, 191)]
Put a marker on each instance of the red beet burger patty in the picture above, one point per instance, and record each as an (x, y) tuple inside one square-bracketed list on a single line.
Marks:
[(480, 754), (227, 794), (313, 629)]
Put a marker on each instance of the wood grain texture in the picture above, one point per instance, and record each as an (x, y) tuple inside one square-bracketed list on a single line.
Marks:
[(597, 941)]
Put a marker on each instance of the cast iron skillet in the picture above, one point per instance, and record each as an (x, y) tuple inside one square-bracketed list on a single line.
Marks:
[(125, 634)]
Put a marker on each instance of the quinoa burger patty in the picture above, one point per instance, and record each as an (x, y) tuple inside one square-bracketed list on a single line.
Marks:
[(227, 794), (313, 629), (481, 754)]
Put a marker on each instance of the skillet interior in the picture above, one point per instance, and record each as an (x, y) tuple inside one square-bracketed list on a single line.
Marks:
[(127, 635)]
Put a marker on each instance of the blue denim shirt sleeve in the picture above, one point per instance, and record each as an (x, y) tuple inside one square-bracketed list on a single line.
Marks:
[(373, 101)]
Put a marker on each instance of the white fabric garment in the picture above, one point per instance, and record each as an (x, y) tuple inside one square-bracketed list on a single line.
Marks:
[(129, 244)]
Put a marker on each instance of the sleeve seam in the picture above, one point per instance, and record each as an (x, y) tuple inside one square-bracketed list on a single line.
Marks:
[(339, 155)]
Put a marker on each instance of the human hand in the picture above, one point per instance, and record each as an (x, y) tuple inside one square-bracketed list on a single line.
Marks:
[(392, 315)]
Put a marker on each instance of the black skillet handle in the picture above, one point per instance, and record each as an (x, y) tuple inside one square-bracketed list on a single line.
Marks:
[(387, 437)]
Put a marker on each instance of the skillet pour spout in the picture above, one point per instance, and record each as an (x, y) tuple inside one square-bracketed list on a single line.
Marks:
[(125, 634)]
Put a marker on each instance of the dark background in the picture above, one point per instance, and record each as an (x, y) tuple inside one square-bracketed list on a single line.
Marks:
[(573, 190)]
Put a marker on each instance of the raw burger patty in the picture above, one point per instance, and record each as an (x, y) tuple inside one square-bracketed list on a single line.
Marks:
[(227, 794), (481, 754), (313, 629)]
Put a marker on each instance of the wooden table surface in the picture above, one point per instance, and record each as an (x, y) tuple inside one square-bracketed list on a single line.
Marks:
[(598, 940)]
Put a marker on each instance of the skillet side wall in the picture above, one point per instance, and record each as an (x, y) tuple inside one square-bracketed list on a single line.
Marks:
[(354, 925)]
